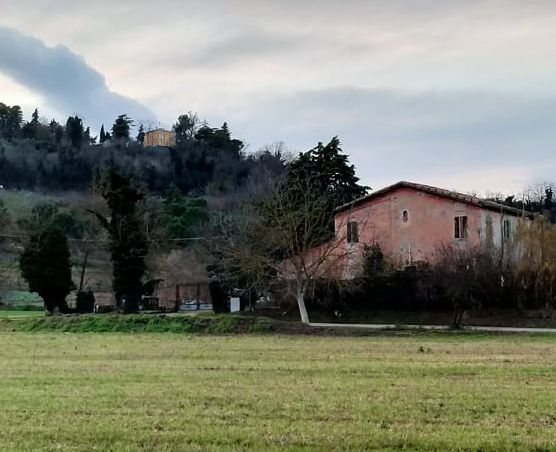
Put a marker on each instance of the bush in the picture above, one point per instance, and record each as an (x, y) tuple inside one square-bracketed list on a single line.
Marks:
[(26, 307), (407, 290), (224, 324)]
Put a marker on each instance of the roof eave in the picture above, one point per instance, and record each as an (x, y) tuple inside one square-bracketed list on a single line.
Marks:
[(435, 191)]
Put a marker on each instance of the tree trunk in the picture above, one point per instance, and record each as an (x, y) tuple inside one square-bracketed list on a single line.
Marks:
[(83, 268), (301, 305), (456, 319), (251, 301)]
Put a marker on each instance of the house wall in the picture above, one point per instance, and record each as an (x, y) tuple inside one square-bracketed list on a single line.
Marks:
[(159, 138), (429, 225)]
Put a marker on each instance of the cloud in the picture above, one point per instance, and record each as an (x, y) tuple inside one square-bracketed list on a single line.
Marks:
[(494, 141), (246, 44), (64, 80), (459, 94)]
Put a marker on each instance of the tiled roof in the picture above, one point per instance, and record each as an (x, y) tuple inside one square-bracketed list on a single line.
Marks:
[(159, 130), (443, 193)]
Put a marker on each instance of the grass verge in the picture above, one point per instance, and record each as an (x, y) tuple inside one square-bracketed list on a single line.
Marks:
[(17, 313), (140, 323)]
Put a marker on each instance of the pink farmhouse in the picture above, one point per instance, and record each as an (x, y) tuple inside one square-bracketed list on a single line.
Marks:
[(411, 221)]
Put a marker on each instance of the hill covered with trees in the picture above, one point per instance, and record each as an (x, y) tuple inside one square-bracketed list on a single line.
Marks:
[(47, 155)]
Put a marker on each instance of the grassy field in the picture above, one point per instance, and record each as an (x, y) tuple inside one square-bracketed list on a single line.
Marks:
[(20, 314), (113, 391)]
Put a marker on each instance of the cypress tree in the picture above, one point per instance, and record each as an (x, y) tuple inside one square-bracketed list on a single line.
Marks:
[(128, 244), (102, 138)]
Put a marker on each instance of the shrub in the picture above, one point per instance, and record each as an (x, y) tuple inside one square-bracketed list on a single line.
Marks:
[(25, 307), (224, 324)]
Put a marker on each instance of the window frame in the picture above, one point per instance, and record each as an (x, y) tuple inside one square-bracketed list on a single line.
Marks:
[(352, 232), (461, 227)]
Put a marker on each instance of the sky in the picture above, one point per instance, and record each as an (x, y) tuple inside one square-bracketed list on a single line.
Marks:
[(457, 94)]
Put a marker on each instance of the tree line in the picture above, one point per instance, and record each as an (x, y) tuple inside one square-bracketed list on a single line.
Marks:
[(127, 208), (274, 227), (37, 154)]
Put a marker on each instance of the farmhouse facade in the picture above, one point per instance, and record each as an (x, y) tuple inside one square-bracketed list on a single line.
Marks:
[(410, 222)]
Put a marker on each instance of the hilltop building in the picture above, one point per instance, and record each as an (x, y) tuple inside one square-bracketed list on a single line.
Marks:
[(160, 137)]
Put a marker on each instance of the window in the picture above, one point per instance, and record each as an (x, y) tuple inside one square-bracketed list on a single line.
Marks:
[(352, 232), (507, 229), (460, 227), (405, 216)]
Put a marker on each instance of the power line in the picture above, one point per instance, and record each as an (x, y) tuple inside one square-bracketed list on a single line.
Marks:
[(72, 239)]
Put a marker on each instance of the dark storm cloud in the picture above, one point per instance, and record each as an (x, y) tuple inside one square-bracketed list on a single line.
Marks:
[(64, 79)]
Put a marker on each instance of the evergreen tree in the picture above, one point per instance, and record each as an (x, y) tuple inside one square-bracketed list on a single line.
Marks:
[(74, 131), (225, 130), (184, 216), (87, 136), (10, 121), (45, 265), (56, 132), (15, 120), (35, 118), (220, 140), (141, 135), (128, 245), (548, 202), (327, 171), (32, 129), (120, 129), (549, 205), (185, 128), (330, 171), (102, 137), (52, 127)]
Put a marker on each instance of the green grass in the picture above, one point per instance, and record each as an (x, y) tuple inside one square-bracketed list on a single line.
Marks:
[(20, 202), (21, 297), (188, 392), (13, 313), (487, 317), (140, 323)]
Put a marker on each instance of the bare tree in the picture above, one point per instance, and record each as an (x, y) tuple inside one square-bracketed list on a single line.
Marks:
[(90, 237), (85, 247), (534, 196), (287, 236), (536, 265), (455, 273), (181, 265), (475, 277)]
